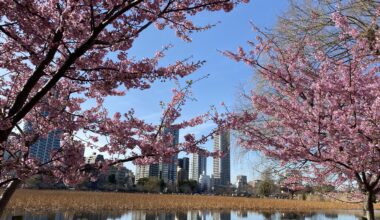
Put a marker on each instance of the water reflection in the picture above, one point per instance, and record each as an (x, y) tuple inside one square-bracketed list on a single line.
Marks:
[(303, 216), (183, 215), (242, 214)]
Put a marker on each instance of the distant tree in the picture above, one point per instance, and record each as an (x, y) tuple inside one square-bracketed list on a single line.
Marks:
[(266, 186), (312, 19), (291, 182), (142, 181), (151, 184), (325, 188), (33, 182), (188, 186), (112, 179)]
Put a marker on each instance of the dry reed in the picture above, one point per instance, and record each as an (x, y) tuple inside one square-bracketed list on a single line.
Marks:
[(78, 201)]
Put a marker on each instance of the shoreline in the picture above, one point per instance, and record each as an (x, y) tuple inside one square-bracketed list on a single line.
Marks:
[(87, 201)]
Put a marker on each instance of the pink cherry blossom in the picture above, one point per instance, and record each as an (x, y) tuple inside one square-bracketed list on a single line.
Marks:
[(55, 56), (322, 113)]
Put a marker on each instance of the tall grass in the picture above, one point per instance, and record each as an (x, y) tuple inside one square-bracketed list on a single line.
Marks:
[(78, 201)]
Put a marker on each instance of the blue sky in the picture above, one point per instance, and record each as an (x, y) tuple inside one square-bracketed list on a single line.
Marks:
[(225, 78)]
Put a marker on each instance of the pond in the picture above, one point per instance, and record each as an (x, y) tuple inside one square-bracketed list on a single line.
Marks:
[(189, 215)]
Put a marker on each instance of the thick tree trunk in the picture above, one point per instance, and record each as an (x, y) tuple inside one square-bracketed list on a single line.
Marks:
[(369, 212), (7, 194)]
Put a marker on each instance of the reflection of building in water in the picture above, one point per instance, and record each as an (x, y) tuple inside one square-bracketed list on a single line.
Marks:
[(166, 216), (267, 215), (242, 214), (331, 215), (292, 216), (144, 215), (224, 215), (150, 216), (66, 215), (181, 216), (197, 215), (194, 215), (97, 216), (28, 216), (137, 215)]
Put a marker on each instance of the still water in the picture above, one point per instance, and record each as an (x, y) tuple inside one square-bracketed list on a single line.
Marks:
[(190, 215)]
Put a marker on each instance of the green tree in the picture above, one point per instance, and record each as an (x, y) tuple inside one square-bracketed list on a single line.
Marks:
[(312, 19), (188, 186), (112, 179), (266, 187), (151, 184)]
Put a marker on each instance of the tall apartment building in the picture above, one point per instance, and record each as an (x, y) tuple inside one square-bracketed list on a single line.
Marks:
[(183, 169), (241, 182), (164, 170), (221, 165), (198, 165), (184, 163), (168, 169), (144, 171), (94, 158), (44, 146)]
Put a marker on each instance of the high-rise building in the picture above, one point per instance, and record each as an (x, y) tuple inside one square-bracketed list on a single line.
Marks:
[(184, 164), (44, 146), (168, 169), (94, 159), (221, 165), (165, 170), (204, 182), (198, 165), (145, 171), (181, 175), (241, 180)]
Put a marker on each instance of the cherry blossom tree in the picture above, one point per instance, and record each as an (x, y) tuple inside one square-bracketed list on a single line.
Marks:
[(291, 182), (322, 114), (312, 18), (56, 56)]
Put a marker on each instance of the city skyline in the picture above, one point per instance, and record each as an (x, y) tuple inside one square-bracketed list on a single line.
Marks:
[(225, 80), (221, 166)]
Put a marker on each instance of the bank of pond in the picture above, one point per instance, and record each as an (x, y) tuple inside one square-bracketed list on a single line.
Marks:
[(187, 215), (65, 204)]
